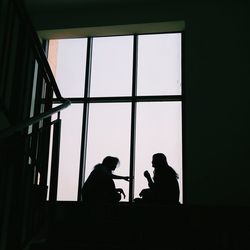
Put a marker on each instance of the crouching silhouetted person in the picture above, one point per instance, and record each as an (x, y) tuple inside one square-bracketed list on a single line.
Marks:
[(164, 187), (100, 187)]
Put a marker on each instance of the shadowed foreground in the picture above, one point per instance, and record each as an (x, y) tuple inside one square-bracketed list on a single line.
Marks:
[(76, 226)]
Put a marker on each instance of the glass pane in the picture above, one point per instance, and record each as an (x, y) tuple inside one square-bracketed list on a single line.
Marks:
[(112, 66), (159, 64), (158, 130), (70, 152), (67, 58), (109, 134)]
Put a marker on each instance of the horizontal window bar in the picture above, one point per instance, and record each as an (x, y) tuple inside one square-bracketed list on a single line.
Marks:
[(169, 98)]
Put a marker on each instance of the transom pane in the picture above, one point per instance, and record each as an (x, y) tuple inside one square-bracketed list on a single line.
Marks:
[(159, 64), (112, 60), (67, 58)]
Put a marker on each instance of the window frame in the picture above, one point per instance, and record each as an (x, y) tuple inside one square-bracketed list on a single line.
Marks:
[(133, 99)]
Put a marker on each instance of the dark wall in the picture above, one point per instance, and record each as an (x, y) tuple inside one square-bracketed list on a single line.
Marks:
[(216, 80), (16, 80), (217, 105)]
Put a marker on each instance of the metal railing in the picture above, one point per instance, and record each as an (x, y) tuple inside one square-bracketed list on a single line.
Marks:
[(32, 120), (46, 72), (27, 143)]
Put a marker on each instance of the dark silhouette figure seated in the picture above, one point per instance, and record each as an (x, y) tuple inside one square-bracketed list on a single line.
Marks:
[(164, 187), (100, 187)]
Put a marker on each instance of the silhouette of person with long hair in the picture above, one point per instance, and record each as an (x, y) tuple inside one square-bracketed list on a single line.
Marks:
[(100, 187), (163, 187)]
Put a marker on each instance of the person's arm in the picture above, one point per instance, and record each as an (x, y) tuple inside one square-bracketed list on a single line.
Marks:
[(149, 179), (120, 191), (126, 178)]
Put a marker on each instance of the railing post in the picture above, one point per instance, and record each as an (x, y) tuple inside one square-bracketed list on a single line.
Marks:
[(55, 161)]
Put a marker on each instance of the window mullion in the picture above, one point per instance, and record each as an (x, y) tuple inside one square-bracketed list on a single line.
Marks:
[(183, 113), (133, 118), (85, 118)]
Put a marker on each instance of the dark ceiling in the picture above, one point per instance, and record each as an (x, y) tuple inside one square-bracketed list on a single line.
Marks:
[(49, 15)]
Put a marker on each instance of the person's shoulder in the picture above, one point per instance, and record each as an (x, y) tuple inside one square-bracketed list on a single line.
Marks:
[(100, 170), (98, 166), (172, 172), (168, 171)]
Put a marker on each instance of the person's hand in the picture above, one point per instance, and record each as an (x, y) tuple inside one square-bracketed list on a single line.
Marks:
[(120, 191), (147, 174), (127, 178), (141, 194)]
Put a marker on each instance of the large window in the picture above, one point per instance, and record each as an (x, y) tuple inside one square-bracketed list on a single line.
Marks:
[(126, 94)]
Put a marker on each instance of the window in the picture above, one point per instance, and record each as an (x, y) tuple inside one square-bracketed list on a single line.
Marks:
[(126, 94)]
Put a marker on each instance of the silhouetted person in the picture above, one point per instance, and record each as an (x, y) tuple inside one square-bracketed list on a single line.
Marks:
[(100, 187), (164, 187)]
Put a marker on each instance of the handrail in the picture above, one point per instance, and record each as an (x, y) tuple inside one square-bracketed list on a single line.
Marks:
[(38, 50), (34, 119), (47, 74)]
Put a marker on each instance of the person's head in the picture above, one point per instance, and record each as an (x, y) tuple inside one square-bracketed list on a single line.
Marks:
[(159, 160), (110, 162)]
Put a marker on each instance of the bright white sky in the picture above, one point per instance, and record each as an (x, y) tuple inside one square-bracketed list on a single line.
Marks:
[(158, 125)]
